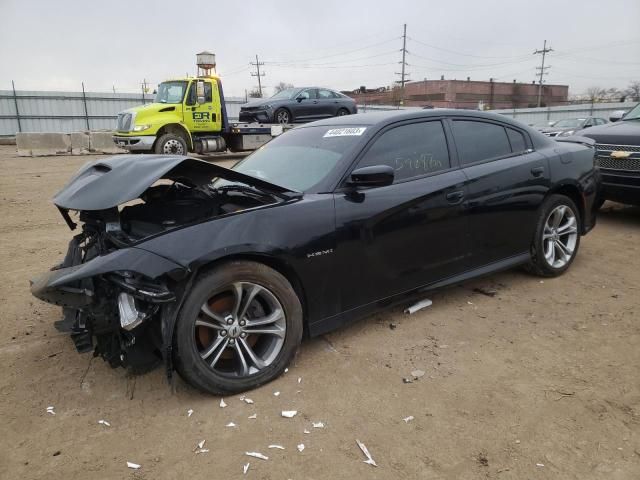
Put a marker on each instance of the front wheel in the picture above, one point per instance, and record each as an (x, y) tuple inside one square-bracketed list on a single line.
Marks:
[(342, 112), (282, 116), (171, 144), (557, 237), (240, 326)]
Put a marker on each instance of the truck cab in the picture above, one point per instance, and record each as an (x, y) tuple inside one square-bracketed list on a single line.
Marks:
[(184, 112)]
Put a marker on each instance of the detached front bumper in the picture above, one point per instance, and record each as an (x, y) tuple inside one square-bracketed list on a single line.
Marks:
[(143, 143), (260, 116)]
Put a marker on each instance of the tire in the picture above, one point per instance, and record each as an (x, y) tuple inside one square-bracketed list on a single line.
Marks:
[(342, 112), (283, 116), (219, 370), (548, 259), (171, 144)]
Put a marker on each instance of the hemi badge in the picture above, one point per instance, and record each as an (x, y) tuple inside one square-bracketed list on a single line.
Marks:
[(620, 154)]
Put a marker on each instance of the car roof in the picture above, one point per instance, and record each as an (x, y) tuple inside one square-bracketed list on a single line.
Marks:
[(382, 118)]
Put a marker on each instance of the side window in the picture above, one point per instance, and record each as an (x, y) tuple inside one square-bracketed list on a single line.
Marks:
[(207, 92), (478, 141), (325, 94), (411, 150), (336, 95), (309, 94), (518, 143), (600, 121)]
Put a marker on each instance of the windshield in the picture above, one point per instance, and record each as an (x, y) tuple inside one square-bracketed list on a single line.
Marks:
[(300, 158), (569, 122), (171, 92), (285, 94), (634, 114)]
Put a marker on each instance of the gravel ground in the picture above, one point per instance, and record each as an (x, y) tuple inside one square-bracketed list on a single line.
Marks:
[(538, 382)]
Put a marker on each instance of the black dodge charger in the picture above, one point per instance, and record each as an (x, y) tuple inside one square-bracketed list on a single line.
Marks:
[(219, 273)]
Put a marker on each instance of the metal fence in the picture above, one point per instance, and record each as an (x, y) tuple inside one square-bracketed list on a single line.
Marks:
[(532, 116), (38, 111)]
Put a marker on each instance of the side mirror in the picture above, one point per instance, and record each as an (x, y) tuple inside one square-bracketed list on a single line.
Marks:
[(200, 92), (617, 115), (374, 176), (299, 99)]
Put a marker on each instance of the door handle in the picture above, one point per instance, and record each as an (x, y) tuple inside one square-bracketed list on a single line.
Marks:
[(455, 197), (537, 171), (315, 101)]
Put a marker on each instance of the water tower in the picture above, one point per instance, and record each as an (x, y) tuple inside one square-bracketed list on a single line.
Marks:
[(206, 62)]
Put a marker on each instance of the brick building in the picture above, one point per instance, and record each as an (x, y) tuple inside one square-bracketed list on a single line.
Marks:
[(464, 94)]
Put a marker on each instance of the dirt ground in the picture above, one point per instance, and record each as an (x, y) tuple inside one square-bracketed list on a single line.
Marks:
[(540, 381)]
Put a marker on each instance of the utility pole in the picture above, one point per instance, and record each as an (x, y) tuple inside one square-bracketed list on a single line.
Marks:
[(258, 64), (403, 75), (542, 69)]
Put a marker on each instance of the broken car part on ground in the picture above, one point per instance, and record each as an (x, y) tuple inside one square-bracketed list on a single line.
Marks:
[(218, 272)]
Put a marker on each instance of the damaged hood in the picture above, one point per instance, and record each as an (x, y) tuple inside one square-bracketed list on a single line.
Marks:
[(112, 181)]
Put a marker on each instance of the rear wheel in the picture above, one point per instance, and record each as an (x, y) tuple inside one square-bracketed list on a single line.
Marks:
[(239, 328), (171, 144), (557, 237), (282, 115)]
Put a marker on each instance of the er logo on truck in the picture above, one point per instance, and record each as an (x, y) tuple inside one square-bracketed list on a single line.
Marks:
[(201, 116)]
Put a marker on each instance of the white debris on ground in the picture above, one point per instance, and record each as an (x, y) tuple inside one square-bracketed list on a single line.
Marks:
[(289, 413), (417, 373), (248, 400), (276, 394), (200, 444), (317, 424), (408, 419), (245, 468), (257, 455), (135, 466), (222, 404), (301, 447), (230, 424), (276, 446), (299, 379), (306, 431), (418, 306), (50, 410), (189, 412), (286, 370), (539, 464), (253, 417), (364, 449), (104, 422)]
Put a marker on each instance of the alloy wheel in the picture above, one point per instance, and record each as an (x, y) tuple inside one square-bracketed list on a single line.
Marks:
[(559, 236), (240, 329), (283, 116)]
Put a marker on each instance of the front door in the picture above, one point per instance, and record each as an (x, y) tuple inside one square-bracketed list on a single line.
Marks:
[(412, 233), (203, 117), (306, 104)]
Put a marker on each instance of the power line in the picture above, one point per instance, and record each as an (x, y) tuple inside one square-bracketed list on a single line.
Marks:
[(542, 69), (258, 64), (403, 75), (460, 53)]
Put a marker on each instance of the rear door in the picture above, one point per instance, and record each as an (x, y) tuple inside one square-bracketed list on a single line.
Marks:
[(506, 183), (328, 104), (396, 238)]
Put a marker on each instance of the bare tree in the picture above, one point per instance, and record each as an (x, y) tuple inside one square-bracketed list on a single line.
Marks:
[(595, 94), (633, 90), (282, 86), (255, 93)]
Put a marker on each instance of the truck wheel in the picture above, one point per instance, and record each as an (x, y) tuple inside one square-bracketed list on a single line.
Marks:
[(282, 115), (240, 326), (557, 237), (171, 144)]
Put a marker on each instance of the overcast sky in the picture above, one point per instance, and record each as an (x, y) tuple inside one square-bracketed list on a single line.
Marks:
[(57, 44)]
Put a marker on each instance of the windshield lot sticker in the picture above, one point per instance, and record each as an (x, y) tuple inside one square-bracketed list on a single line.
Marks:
[(345, 132)]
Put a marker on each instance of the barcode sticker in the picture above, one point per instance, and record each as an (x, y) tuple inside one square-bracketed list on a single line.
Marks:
[(345, 132)]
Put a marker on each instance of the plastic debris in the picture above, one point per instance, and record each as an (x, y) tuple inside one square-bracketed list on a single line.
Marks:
[(222, 404), (289, 413), (299, 380), (257, 455), (200, 444), (248, 400), (104, 422), (306, 431), (189, 412), (276, 446), (301, 447), (364, 449), (50, 410), (135, 466), (317, 424), (245, 468), (418, 306), (408, 419), (417, 373), (286, 370), (253, 417), (202, 450), (230, 424), (539, 464), (470, 303), (276, 394)]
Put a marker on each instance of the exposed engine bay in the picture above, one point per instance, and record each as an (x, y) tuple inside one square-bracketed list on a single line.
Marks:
[(109, 307)]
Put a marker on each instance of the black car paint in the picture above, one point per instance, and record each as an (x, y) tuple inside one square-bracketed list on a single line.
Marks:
[(350, 252), (301, 110), (620, 177)]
